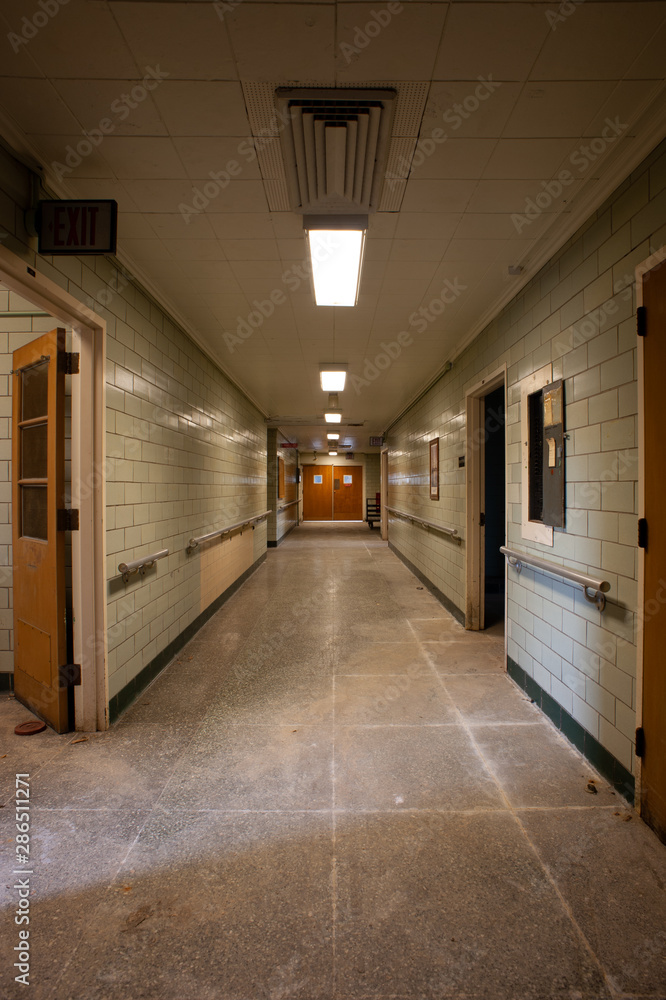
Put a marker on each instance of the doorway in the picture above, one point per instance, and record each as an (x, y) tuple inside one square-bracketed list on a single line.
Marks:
[(651, 687), (485, 462), (494, 506), (332, 492), (41, 304)]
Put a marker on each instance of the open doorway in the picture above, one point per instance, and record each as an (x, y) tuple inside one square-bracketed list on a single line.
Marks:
[(494, 506), (34, 307), (486, 503)]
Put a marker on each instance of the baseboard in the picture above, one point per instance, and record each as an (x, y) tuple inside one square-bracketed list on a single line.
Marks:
[(604, 761), (6, 681), (435, 591), (274, 545), (121, 701)]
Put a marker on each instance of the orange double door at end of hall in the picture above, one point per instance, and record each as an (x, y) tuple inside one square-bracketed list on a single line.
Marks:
[(332, 492)]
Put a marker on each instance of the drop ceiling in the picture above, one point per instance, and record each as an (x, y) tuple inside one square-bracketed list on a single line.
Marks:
[(532, 91)]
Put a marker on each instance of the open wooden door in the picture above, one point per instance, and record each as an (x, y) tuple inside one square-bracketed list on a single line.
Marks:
[(38, 465), (653, 736)]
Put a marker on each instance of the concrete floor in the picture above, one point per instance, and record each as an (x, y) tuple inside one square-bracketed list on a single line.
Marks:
[(333, 792)]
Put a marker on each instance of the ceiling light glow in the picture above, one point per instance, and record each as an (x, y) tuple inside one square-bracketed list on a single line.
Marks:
[(336, 256)]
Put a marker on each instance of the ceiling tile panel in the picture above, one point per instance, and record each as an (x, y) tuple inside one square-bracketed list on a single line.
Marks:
[(438, 196), (471, 48), (202, 108), (597, 41), (552, 109), (220, 155), (155, 33), (265, 37), (373, 43)]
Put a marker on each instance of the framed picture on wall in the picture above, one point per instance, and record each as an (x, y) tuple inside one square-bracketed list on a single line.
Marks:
[(434, 469)]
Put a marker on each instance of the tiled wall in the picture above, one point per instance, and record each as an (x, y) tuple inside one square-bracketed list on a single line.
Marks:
[(280, 521), (578, 316), (186, 453)]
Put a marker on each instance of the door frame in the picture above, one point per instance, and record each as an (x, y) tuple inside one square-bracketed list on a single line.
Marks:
[(474, 482), (641, 269), (88, 455), (383, 486)]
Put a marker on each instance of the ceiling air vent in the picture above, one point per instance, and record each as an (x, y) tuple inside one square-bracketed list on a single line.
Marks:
[(335, 146)]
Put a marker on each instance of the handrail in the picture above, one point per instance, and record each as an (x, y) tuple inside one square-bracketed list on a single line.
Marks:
[(194, 542), (140, 565), (453, 532), (600, 587), (285, 505)]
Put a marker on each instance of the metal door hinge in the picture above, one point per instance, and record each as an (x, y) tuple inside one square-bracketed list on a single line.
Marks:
[(642, 533), (70, 675), (482, 519), (641, 321), (640, 742), (68, 362), (67, 520)]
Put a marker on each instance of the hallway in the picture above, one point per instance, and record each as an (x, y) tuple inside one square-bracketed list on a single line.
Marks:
[(333, 792)]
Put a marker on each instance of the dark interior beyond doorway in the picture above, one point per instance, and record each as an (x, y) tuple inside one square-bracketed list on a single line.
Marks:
[(495, 503)]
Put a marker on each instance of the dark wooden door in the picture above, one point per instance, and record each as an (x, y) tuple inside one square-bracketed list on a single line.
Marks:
[(348, 493), (317, 493), (653, 772)]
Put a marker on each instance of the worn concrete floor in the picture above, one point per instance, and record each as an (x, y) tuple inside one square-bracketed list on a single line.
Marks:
[(333, 792)]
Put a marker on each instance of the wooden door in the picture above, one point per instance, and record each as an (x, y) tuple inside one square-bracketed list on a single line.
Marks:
[(38, 465), (317, 496), (653, 769), (348, 493)]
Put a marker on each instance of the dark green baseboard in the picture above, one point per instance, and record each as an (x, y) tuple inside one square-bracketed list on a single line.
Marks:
[(6, 681), (131, 691), (442, 598), (607, 765)]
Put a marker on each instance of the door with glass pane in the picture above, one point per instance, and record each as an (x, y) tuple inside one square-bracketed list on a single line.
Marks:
[(38, 464)]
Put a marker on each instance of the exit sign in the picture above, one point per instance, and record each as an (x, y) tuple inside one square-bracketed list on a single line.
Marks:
[(77, 227)]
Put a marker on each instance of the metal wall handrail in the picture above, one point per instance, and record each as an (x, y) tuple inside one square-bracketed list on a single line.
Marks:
[(194, 542), (452, 532), (291, 502), (140, 565), (600, 587)]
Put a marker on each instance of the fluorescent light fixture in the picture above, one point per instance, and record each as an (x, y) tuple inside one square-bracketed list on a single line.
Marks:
[(333, 437), (333, 378), (332, 452), (336, 244), (333, 417)]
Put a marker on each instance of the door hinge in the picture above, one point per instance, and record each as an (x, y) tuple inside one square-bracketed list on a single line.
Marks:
[(67, 520), (642, 533), (641, 321), (640, 742), (68, 362), (70, 675), (482, 519)]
